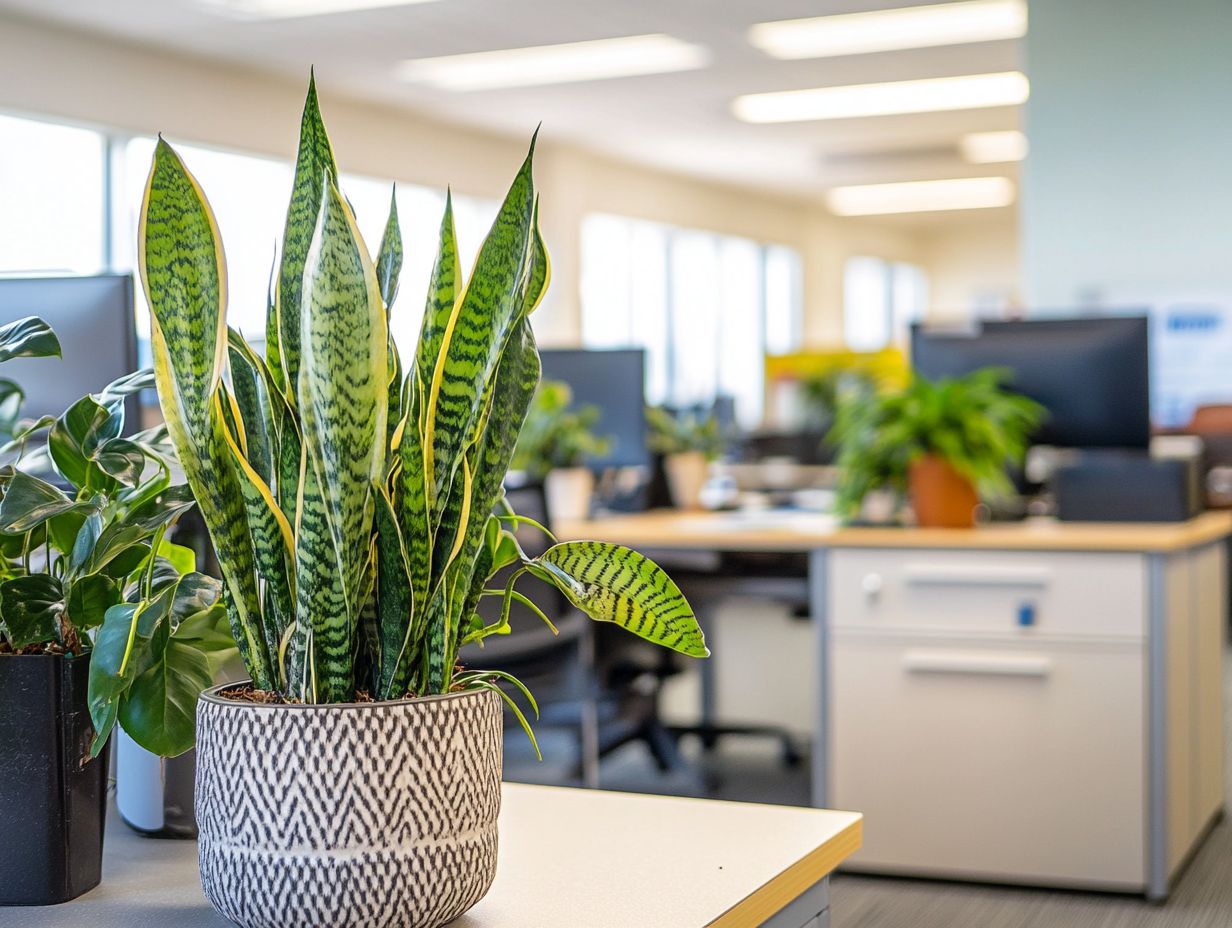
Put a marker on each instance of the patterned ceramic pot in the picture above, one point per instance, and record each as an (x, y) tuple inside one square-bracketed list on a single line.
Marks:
[(365, 815)]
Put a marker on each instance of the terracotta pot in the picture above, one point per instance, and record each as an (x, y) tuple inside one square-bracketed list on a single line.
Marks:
[(359, 815), (940, 495), (687, 474)]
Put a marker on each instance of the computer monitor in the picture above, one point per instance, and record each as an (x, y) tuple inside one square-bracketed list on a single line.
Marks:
[(1091, 374), (612, 380), (94, 320)]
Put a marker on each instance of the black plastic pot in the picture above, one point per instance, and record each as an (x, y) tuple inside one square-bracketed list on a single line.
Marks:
[(53, 799)]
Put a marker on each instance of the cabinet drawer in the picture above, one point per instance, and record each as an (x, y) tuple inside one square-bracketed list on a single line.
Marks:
[(1018, 593), (1010, 762)]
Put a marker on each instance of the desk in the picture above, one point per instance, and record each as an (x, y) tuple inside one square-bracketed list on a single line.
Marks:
[(1035, 702), (568, 858)]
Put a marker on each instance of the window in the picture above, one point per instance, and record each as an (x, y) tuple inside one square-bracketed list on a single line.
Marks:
[(880, 301), (52, 176), (705, 307)]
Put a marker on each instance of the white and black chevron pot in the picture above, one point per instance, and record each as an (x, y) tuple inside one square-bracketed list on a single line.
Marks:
[(366, 815)]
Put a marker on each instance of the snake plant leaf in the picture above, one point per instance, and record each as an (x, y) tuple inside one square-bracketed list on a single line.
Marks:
[(396, 625), (540, 273), (343, 406), (248, 384), (315, 170), (30, 337), (389, 256), (443, 290), (476, 332), (611, 583), (181, 264), (31, 607)]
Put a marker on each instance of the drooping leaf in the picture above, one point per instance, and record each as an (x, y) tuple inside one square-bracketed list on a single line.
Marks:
[(76, 437), (163, 508), (160, 710), (343, 407), (611, 583), (30, 607), (121, 459), (89, 598), (30, 337)]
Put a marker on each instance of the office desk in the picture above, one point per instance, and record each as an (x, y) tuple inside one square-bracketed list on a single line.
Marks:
[(568, 858), (1035, 702)]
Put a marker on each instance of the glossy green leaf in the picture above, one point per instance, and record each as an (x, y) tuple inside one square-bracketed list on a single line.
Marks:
[(389, 257), (31, 607), (611, 583), (160, 710), (29, 502), (121, 459), (30, 337), (396, 625), (89, 598)]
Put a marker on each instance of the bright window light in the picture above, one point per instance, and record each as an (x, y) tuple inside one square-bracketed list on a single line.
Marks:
[(556, 64), (921, 196), (891, 30), (292, 9), (994, 147), (937, 94)]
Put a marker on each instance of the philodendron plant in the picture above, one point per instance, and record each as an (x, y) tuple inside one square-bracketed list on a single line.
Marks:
[(91, 569), (355, 497)]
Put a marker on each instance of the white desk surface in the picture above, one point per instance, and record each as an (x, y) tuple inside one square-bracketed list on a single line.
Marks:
[(788, 532), (569, 858)]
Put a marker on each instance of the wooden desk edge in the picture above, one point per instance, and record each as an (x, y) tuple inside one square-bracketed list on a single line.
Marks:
[(772, 897), (655, 530)]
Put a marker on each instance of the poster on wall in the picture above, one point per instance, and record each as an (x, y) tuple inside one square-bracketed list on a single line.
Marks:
[(1191, 357)]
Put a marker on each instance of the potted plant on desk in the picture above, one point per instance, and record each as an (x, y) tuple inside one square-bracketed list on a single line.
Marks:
[(100, 619), (554, 445), (354, 500), (945, 442), (689, 442)]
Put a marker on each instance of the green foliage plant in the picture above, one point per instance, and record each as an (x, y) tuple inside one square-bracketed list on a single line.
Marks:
[(91, 570), (670, 432), (354, 496), (972, 422), (556, 436)]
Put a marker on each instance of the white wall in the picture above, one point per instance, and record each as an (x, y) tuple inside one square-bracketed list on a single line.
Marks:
[(1128, 188), (49, 71), (973, 266)]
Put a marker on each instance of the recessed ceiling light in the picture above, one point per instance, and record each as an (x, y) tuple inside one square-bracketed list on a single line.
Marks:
[(557, 64), (936, 94), (291, 9), (921, 196), (890, 30), (993, 147)]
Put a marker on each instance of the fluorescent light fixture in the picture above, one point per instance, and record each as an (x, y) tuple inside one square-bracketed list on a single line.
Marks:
[(921, 196), (931, 95), (891, 30), (557, 64), (993, 147), (292, 9)]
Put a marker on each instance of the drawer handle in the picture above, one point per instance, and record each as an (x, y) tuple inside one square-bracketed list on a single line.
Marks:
[(941, 575), (960, 662)]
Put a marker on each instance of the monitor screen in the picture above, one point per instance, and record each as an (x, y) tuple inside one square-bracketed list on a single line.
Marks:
[(94, 320), (1091, 374), (612, 380)]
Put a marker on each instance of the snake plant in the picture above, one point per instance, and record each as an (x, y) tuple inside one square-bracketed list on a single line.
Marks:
[(354, 496)]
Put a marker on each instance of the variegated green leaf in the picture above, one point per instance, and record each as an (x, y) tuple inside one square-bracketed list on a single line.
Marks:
[(396, 625), (611, 583), (389, 257), (476, 333), (343, 405), (181, 263), (314, 170), (253, 404)]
